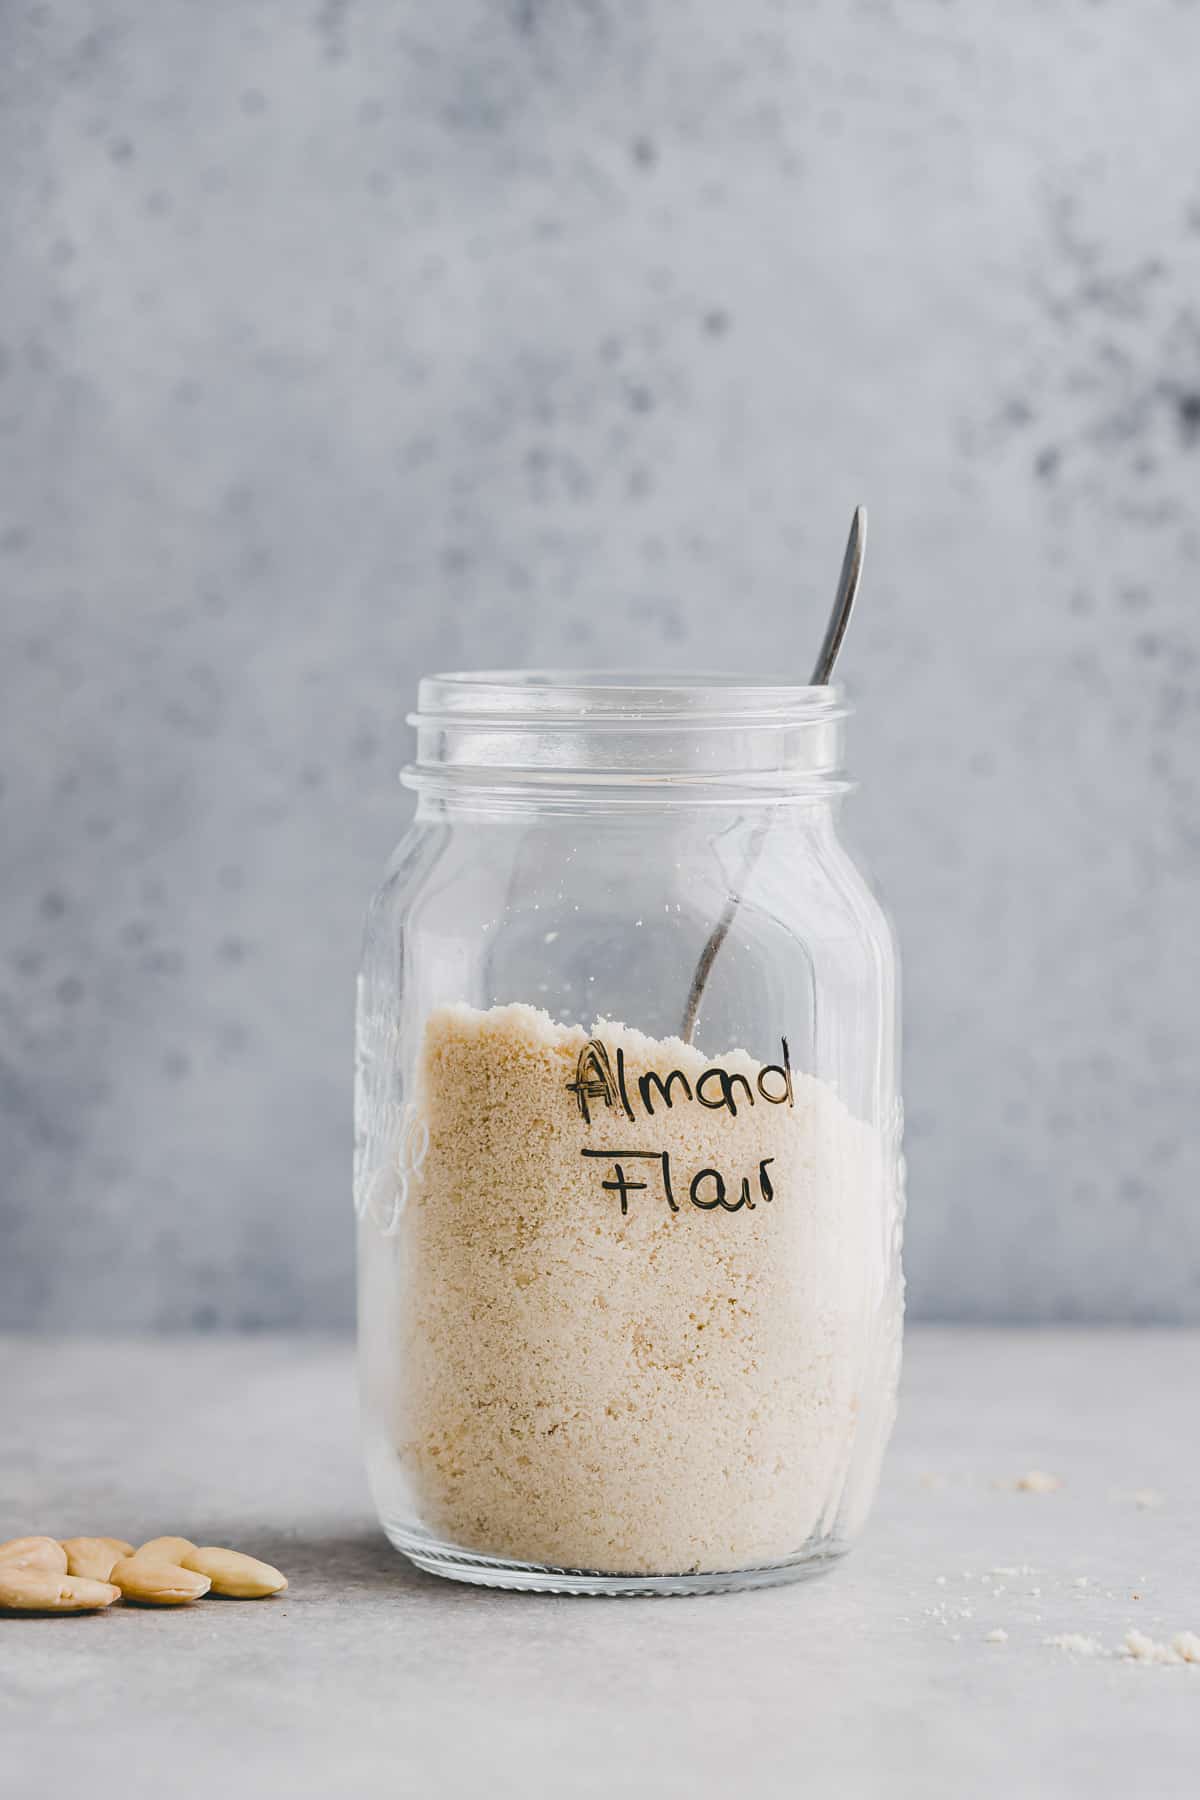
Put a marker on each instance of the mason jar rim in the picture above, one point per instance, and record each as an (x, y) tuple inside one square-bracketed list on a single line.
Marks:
[(698, 736), (631, 695)]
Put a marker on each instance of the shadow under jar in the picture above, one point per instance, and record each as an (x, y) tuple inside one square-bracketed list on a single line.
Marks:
[(629, 1307)]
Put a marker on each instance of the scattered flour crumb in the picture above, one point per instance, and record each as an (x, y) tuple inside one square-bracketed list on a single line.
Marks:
[(1081, 1581), (1076, 1643), (941, 1580), (999, 1636), (1037, 1481), (1144, 1649), (930, 1480), (1137, 1646), (1147, 1497), (1006, 1572)]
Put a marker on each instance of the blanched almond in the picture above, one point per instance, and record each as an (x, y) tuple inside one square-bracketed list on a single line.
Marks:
[(153, 1583), (34, 1553), (237, 1576), (46, 1590), (90, 1556), (165, 1549)]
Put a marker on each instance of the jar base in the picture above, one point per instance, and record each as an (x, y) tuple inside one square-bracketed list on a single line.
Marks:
[(456, 1564)]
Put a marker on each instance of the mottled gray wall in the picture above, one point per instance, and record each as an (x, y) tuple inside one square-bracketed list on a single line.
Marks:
[(341, 342)]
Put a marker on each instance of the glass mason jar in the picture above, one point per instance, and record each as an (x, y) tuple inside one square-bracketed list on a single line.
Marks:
[(627, 1146)]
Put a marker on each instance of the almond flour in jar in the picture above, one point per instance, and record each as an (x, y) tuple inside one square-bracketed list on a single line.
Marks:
[(629, 1306), (612, 1361)]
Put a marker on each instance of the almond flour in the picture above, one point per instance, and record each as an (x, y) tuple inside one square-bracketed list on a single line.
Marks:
[(650, 1306)]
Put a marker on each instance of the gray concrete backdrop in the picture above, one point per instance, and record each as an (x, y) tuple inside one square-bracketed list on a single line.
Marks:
[(346, 341)]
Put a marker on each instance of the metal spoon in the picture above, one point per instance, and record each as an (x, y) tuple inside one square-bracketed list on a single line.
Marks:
[(835, 631)]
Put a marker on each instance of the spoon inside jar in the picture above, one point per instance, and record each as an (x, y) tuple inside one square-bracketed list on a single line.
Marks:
[(835, 631)]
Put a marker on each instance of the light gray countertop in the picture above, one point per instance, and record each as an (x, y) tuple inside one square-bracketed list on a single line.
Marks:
[(368, 1678)]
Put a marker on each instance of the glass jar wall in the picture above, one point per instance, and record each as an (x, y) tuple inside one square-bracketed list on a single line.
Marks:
[(629, 1277)]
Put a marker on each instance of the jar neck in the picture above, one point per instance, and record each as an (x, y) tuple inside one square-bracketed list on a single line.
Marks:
[(573, 741)]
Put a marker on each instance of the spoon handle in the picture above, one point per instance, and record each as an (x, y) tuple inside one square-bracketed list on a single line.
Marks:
[(835, 631), (843, 600)]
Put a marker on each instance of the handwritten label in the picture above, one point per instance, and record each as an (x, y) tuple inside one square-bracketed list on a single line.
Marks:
[(601, 1084), (707, 1189), (595, 1081)]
